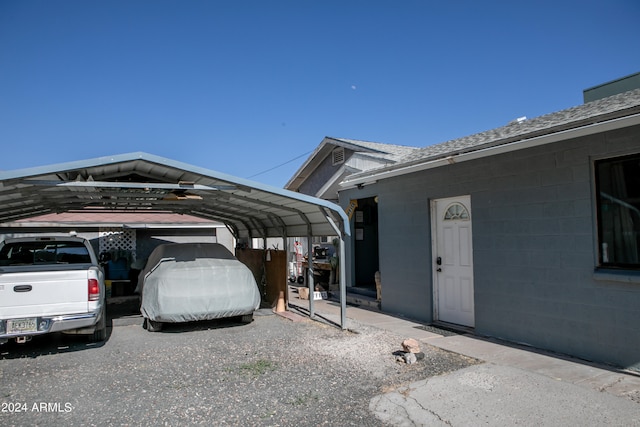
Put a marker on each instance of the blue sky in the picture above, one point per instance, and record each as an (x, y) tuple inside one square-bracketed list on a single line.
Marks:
[(243, 87)]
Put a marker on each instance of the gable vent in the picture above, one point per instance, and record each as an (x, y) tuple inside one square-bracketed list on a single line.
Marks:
[(338, 156)]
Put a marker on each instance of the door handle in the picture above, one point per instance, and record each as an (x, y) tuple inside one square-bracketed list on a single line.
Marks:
[(439, 270), (22, 288), (439, 260)]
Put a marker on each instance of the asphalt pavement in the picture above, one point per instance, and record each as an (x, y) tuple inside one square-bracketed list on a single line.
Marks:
[(515, 385)]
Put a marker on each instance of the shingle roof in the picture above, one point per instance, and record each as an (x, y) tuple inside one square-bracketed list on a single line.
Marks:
[(621, 105), (390, 151)]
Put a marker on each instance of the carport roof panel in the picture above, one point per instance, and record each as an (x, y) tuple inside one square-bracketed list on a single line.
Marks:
[(140, 181)]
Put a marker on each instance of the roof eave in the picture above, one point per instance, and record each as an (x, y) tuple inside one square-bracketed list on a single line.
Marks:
[(452, 158)]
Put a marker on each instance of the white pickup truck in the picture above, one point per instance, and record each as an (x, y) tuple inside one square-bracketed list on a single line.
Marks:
[(50, 284)]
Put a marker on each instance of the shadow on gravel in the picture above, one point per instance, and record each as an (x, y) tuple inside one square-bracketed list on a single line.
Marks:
[(123, 307), (57, 343), (49, 344), (204, 325)]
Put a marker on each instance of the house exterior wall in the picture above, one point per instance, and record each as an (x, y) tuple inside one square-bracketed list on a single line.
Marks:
[(149, 239), (621, 85), (534, 248), (326, 170), (322, 174), (362, 162)]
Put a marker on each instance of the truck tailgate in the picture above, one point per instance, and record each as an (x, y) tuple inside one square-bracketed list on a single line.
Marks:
[(43, 293)]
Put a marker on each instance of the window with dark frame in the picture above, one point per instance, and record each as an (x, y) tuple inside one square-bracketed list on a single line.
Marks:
[(44, 252), (618, 208)]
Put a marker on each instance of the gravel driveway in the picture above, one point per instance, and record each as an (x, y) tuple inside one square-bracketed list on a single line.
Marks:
[(272, 372)]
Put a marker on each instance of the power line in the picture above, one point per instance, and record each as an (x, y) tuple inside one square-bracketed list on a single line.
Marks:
[(285, 163)]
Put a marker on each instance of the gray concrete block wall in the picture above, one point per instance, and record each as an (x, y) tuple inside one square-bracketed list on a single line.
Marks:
[(534, 239), (405, 252), (534, 257)]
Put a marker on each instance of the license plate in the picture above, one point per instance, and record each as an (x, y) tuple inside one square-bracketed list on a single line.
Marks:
[(15, 326)]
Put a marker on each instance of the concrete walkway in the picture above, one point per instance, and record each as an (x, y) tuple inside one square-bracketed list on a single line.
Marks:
[(515, 386)]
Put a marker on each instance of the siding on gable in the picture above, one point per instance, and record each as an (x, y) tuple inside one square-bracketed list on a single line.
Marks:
[(534, 240), (326, 170), (322, 174)]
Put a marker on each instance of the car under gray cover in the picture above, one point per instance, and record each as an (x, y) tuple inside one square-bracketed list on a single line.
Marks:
[(184, 282)]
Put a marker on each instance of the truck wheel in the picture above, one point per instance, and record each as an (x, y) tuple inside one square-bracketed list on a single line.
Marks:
[(153, 326), (100, 332)]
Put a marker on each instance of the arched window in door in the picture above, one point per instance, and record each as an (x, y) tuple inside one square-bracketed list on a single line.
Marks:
[(456, 212)]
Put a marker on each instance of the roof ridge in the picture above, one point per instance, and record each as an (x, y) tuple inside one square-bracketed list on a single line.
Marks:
[(547, 123), (359, 142)]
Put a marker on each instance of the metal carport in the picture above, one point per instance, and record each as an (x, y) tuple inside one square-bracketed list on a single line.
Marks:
[(144, 182)]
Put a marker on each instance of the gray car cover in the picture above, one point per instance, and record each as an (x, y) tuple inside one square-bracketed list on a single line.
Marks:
[(184, 282)]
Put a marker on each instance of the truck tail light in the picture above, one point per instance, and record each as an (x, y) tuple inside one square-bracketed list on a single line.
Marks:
[(94, 290)]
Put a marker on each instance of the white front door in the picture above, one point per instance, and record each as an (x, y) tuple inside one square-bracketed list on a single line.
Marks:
[(453, 263)]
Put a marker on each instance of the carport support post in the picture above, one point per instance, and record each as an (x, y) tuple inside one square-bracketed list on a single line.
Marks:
[(310, 283), (343, 285), (343, 275), (285, 244)]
